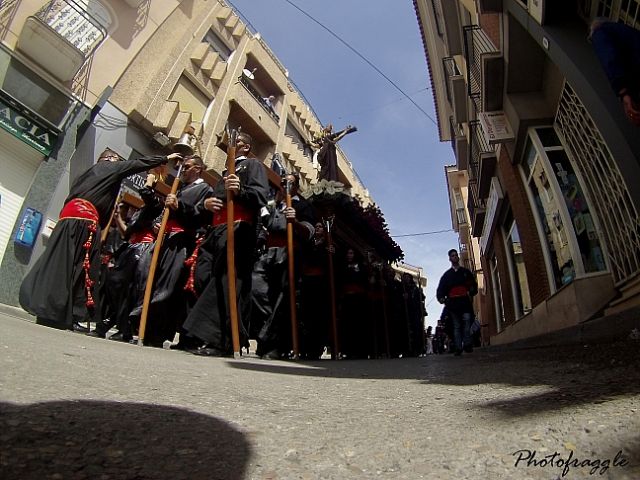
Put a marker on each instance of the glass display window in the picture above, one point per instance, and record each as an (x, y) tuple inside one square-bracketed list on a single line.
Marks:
[(565, 220)]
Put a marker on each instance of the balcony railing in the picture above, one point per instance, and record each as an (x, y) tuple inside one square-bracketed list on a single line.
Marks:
[(73, 23), (476, 45), (7, 11), (61, 38), (461, 216), (482, 158), (259, 98), (477, 209)]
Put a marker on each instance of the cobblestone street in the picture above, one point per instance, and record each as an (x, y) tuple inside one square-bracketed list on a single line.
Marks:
[(74, 407)]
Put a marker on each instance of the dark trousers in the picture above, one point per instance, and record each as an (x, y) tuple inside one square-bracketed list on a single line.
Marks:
[(209, 319)]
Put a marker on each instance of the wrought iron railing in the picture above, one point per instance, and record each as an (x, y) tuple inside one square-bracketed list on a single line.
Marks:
[(479, 143), (74, 24), (618, 215), (476, 44), (259, 98), (7, 11)]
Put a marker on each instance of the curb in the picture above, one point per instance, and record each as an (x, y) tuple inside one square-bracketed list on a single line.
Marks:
[(16, 312), (608, 329)]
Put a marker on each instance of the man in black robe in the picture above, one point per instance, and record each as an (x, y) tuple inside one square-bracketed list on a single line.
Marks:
[(271, 307), (127, 278), (209, 320), (168, 306), (58, 289)]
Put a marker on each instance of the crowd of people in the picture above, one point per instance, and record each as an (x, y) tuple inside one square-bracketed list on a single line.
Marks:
[(344, 299)]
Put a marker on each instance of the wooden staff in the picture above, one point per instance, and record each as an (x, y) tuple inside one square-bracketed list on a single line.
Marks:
[(231, 249), (332, 292), (292, 278), (154, 262), (105, 232)]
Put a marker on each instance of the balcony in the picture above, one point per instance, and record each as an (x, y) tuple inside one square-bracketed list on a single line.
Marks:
[(60, 38), (456, 89), (251, 103), (459, 144), (477, 211), (248, 85), (22, 85), (462, 224), (482, 159), (451, 23), (485, 69)]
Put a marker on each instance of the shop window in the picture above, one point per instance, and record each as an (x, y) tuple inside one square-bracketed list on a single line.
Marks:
[(563, 211), (517, 268), (497, 293)]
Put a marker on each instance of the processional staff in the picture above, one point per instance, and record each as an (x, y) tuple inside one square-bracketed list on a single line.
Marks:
[(292, 276), (156, 253), (231, 251), (332, 288)]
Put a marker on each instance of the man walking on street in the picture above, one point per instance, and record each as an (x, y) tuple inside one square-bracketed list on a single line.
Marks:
[(455, 290)]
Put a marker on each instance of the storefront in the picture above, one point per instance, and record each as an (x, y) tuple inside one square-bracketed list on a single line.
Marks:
[(24, 143)]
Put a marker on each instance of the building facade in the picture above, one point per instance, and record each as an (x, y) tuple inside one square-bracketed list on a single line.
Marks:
[(79, 76), (545, 192)]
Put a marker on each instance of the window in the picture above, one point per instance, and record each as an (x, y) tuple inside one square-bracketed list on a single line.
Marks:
[(563, 211), (217, 45), (31, 90), (190, 98), (518, 270), (497, 293)]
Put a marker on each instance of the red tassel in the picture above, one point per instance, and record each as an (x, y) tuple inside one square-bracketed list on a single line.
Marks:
[(86, 265), (191, 263)]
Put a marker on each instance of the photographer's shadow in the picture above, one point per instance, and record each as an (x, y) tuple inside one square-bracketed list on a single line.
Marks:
[(93, 439)]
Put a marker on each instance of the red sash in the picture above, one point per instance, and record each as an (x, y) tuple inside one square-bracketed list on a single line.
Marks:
[(277, 239), (79, 208), (240, 214), (458, 291), (145, 236), (173, 226)]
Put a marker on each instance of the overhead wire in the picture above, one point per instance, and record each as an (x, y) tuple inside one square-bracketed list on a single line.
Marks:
[(423, 233), (382, 106), (366, 60)]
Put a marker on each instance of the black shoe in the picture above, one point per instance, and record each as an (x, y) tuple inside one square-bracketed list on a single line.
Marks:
[(207, 351), (272, 355), (96, 334), (119, 337), (79, 328), (468, 349)]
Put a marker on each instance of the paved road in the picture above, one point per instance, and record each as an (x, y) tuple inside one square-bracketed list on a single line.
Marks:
[(74, 407)]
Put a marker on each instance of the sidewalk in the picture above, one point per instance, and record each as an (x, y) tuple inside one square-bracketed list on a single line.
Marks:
[(607, 329)]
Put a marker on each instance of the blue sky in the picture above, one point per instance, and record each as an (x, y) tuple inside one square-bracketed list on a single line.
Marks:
[(396, 150)]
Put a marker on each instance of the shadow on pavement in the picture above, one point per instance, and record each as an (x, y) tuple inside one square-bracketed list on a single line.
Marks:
[(92, 440), (570, 375)]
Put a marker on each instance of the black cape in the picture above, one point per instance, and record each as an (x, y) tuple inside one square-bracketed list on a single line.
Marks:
[(54, 289)]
